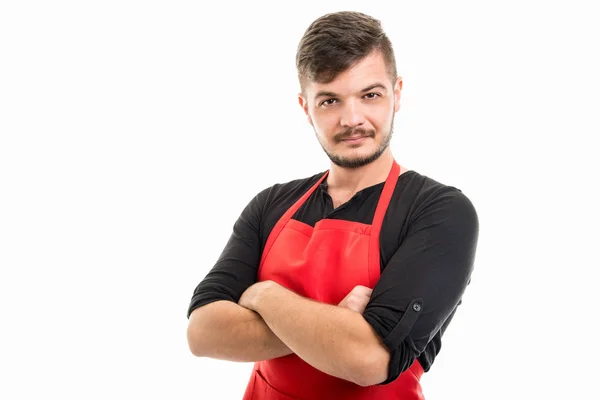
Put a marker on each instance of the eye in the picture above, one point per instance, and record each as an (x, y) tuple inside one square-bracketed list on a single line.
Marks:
[(372, 96), (327, 102)]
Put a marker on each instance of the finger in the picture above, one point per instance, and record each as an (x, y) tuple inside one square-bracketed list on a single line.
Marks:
[(361, 289)]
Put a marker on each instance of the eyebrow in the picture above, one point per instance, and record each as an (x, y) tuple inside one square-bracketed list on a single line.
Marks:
[(323, 93)]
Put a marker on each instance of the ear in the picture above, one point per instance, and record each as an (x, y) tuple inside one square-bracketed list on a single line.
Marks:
[(397, 90), (304, 104)]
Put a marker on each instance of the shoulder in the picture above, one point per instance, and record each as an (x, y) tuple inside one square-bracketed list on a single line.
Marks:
[(423, 197), (282, 193)]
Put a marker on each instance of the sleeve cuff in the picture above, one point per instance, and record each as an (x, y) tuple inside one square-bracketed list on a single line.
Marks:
[(393, 339), (400, 345)]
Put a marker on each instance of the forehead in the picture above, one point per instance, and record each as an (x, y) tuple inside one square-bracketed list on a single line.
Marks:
[(370, 69)]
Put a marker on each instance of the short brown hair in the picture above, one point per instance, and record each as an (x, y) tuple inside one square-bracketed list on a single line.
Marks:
[(335, 42)]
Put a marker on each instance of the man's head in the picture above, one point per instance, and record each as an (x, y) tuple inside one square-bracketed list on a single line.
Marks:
[(349, 86)]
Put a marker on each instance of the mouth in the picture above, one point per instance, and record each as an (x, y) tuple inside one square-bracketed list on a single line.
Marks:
[(354, 139)]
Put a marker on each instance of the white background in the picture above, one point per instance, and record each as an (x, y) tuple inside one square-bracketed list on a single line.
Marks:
[(132, 134)]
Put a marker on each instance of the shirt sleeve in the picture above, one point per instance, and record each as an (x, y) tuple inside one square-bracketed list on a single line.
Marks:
[(237, 266), (424, 281)]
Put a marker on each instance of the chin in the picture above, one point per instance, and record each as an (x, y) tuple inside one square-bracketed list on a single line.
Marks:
[(354, 160)]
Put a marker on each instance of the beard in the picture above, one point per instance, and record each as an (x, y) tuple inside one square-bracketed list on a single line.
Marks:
[(357, 162)]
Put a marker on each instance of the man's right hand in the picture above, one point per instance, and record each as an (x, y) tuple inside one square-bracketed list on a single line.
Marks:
[(357, 299)]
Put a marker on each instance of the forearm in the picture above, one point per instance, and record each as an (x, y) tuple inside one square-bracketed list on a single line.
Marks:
[(227, 331), (335, 340)]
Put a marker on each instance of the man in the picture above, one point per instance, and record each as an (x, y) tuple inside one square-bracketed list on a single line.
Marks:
[(341, 285)]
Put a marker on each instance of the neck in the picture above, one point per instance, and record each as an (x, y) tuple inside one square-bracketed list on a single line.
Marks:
[(356, 179)]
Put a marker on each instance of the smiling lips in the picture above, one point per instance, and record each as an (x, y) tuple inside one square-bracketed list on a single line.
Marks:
[(354, 139), (353, 136)]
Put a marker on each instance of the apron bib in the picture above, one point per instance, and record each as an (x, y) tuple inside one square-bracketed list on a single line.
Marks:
[(325, 263)]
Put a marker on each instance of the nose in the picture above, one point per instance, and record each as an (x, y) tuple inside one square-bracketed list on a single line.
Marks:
[(352, 115)]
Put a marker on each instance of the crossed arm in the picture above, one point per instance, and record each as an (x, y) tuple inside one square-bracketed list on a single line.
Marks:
[(433, 264), (271, 321)]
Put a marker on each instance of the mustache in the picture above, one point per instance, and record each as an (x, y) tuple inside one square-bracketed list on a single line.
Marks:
[(353, 132)]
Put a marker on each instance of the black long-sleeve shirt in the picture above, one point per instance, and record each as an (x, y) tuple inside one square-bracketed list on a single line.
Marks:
[(428, 243)]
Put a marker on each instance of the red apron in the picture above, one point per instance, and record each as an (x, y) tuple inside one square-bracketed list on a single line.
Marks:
[(325, 263)]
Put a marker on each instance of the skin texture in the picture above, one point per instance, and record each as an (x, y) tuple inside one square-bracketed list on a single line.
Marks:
[(271, 321)]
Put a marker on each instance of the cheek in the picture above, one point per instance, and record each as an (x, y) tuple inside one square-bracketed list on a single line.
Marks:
[(324, 123), (383, 118)]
